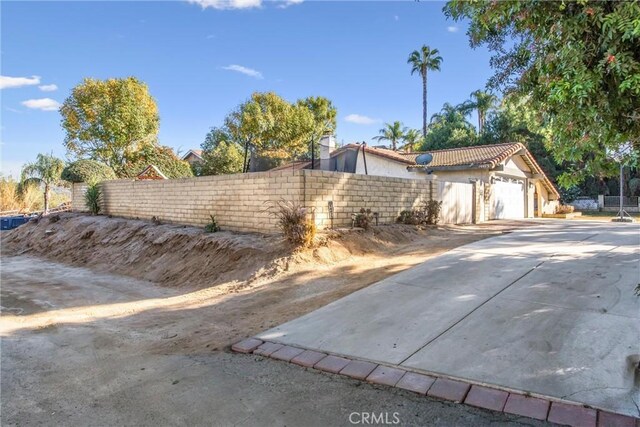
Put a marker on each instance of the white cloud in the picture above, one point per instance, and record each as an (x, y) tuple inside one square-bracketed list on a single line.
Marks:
[(227, 4), (286, 3), (452, 29), (44, 104), (13, 82), (48, 88), (360, 119), (244, 70)]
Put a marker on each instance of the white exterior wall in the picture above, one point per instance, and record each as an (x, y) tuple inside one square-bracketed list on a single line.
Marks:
[(514, 167), (380, 166)]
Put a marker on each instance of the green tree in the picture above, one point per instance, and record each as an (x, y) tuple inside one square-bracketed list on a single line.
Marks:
[(579, 63), (482, 102), (450, 128), (161, 157), (413, 140), (86, 170), (271, 130), (392, 132), (220, 154), (109, 120), (45, 171), (422, 61), (324, 120), (270, 127)]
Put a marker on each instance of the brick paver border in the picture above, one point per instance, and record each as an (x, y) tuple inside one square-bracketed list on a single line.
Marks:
[(551, 409)]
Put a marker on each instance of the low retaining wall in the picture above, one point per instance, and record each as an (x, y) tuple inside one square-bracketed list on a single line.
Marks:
[(239, 202)]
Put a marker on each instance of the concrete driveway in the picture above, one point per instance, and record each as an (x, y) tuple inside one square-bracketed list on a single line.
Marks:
[(549, 310)]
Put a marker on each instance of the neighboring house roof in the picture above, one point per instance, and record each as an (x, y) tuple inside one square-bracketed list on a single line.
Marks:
[(382, 152), (197, 153), (151, 172)]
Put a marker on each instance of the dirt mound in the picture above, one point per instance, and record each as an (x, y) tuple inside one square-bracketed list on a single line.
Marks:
[(188, 257)]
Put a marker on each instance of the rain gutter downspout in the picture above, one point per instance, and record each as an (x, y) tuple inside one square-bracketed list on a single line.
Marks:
[(364, 158)]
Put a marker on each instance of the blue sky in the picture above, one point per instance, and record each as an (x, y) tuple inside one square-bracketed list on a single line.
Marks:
[(200, 62)]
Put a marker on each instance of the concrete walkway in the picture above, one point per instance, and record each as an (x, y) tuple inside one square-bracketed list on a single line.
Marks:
[(548, 310)]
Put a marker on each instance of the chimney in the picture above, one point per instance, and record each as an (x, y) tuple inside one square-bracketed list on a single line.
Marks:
[(327, 145)]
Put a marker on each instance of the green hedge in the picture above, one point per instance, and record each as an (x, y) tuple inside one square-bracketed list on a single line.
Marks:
[(89, 171)]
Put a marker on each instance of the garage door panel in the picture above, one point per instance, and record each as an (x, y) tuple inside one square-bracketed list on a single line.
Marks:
[(507, 200)]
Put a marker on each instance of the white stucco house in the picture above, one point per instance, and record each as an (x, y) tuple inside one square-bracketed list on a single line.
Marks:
[(512, 183)]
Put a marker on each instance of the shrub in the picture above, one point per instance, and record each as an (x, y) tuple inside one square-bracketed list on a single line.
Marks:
[(564, 209), (428, 213), (363, 218), (92, 198), (89, 171), (292, 221), (213, 226), (432, 211), (412, 217)]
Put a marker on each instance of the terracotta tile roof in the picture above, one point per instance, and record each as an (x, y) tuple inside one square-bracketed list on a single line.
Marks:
[(481, 156)]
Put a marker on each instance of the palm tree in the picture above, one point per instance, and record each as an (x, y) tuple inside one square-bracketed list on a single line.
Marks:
[(46, 170), (453, 115), (421, 62), (483, 102), (412, 139), (392, 132)]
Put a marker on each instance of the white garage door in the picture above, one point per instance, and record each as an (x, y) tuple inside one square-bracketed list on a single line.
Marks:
[(507, 200)]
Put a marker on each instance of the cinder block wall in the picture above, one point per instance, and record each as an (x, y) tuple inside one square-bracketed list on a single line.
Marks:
[(239, 202), (77, 197), (350, 192)]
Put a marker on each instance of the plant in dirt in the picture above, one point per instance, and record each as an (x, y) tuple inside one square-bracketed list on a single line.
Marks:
[(363, 219), (411, 217), (432, 211), (92, 198), (293, 222), (213, 226)]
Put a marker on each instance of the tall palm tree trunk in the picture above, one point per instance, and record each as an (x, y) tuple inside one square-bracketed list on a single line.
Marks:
[(46, 199), (424, 105), (480, 121)]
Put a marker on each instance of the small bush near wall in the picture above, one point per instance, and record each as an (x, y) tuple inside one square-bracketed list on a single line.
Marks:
[(427, 214), (410, 217), (363, 219), (213, 226), (432, 210), (92, 198), (564, 209), (293, 222)]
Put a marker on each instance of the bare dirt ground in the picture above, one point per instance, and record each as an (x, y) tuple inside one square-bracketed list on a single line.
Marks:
[(214, 289), (145, 327)]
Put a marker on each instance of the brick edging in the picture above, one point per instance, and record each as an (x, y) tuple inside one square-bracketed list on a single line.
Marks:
[(440, 387)]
